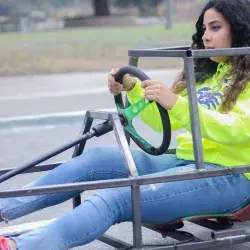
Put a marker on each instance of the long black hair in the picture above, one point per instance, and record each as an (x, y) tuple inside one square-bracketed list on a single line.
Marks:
[(237, 14)]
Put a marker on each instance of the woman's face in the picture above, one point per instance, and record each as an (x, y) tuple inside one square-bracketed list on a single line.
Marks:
[(217, 33)]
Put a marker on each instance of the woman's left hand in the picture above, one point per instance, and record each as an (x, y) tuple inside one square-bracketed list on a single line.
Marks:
[(158, 92)]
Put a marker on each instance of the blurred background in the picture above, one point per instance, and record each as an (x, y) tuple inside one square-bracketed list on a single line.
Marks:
[(55, 36)]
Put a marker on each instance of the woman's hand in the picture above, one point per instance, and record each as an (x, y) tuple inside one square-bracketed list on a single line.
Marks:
[(158, 92), (128, 82)]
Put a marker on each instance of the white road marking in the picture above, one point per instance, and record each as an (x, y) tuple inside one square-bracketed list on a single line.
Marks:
[(55, 94), (80, 113)]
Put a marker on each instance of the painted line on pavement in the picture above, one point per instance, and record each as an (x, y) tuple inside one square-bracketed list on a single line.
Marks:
[(54, 94)]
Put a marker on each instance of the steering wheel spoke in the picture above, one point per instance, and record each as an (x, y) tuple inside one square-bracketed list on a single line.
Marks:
[(133, 110), (130, 129)]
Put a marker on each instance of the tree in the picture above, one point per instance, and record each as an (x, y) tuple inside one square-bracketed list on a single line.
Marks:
[(145, 7), (101, 7)]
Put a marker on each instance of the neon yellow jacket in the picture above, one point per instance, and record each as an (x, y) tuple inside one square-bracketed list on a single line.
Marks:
[(225, 137)]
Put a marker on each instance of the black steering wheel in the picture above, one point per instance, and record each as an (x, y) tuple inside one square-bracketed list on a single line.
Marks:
[(127, 114)]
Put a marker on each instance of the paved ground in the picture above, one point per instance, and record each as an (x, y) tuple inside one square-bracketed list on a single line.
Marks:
[(21, 142), (33, 95)]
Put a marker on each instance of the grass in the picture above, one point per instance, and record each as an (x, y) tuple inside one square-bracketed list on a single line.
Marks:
[(72, 50)]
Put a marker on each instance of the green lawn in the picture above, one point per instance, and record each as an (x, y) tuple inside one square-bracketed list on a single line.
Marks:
[(86, 49)]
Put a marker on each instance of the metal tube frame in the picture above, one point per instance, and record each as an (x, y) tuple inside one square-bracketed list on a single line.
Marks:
[(223, 238)]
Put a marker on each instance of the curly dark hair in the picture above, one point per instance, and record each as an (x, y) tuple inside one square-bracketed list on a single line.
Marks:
[(237, 13)]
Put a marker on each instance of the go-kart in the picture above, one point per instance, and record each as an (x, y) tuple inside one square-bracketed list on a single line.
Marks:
[(222, 226)]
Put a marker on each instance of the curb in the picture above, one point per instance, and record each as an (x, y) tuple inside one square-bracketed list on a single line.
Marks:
[(45, 119)]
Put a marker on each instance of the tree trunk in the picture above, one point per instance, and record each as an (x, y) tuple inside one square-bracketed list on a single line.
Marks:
[(101, 7), (145, 8)]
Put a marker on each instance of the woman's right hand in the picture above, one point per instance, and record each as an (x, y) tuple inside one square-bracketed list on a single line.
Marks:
[(128, 82)]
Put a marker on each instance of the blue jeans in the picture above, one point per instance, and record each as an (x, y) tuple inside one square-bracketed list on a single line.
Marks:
[(164, 203)]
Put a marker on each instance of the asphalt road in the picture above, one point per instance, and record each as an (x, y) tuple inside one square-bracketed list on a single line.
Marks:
[(34, 95), (37, 96)]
